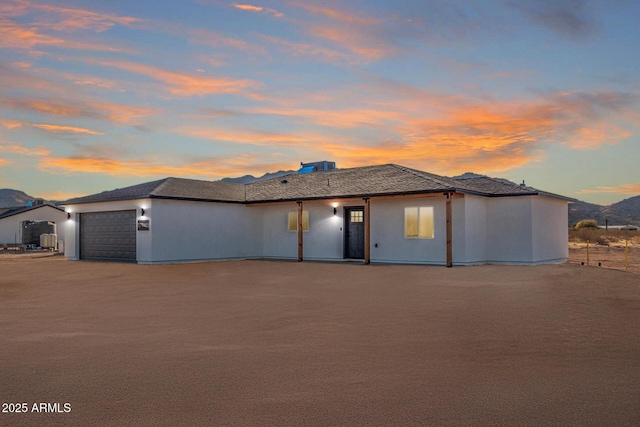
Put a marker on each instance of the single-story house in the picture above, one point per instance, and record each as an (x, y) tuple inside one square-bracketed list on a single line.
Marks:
[(384, 213), (11, 220)]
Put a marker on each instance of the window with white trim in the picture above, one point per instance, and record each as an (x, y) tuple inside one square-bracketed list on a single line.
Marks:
[(418, 222), (293, 221)]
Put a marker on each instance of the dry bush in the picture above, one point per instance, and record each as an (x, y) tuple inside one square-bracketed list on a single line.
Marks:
[(587, 223)]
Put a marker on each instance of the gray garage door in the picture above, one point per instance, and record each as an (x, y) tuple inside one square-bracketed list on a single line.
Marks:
[(108, 236)]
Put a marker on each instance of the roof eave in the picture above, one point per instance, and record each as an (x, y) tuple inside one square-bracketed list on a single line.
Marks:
[(195, 199), (29, 208), (114, 199), (351, 196)]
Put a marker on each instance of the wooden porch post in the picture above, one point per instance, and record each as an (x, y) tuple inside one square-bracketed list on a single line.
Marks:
[(367, 231), (300, 231), (449, 231)]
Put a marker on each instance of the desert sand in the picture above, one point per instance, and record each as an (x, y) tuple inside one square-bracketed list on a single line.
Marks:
[(285, 343)]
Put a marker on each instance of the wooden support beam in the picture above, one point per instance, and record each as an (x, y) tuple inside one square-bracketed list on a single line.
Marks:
[(367, 230), (300, 231), (449, 231)]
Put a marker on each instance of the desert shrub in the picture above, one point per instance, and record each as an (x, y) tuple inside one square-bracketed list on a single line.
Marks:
[(583, 235), (586, 223), (600, 235)]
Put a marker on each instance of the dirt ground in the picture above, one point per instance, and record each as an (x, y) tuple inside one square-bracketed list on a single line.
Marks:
[(284, 343), (615, 256)]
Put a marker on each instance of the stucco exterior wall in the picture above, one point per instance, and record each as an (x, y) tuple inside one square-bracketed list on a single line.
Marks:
[(475, 231), (193, 231), (323, 241), (509, 230), (550, 230), (387, 230), (276, 241), (10, 226), (325, 238)]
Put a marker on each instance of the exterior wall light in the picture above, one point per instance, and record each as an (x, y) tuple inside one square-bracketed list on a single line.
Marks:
[(335, 211), (142, 211), (68, 215)]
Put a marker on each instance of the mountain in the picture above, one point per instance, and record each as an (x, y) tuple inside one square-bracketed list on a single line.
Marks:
[(247, 179), (13, 198), (622, 213), (627, 210)]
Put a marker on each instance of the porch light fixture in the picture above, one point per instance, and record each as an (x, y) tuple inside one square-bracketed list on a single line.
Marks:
[(68, 215), (335, 211), (142, 210)]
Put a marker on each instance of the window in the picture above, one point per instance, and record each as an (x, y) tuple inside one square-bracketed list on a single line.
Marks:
[(418, 222), (293, 221), (356, 216)]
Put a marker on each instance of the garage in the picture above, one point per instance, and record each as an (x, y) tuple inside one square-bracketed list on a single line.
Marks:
[(108, 236)]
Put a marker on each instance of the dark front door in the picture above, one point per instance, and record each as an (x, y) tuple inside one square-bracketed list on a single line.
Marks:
[(354, 232)]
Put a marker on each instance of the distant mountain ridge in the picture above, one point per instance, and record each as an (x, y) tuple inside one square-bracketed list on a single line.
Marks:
[(13, 198), (624, 212), (248, 179)]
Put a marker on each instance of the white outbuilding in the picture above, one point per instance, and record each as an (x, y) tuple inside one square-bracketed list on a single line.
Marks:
[(382, 214), (12, 221)]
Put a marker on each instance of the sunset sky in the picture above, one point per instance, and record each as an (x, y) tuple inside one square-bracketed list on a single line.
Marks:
[(96, 95)]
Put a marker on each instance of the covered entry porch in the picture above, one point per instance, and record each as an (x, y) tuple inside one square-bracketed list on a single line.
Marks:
[(371, 229)]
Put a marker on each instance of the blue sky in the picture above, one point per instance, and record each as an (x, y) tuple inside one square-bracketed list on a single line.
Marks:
[(97, 95)]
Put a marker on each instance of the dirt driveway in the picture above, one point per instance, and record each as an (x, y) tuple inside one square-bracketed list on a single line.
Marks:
[(282, 343)]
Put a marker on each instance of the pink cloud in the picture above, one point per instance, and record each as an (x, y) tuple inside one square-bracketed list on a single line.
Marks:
[(210, 168), (16, 148), (214, 39), (243, 136), (364, 36), (633, 189), (14, 36), (252, 8), (307, 49), (185, 84), (73, 108), (65, 129)]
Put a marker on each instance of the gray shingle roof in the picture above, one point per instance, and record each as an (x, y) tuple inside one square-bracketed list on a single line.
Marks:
[(367, 181), (170, 188), (492, 186), (343, 183), (499, 187)]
